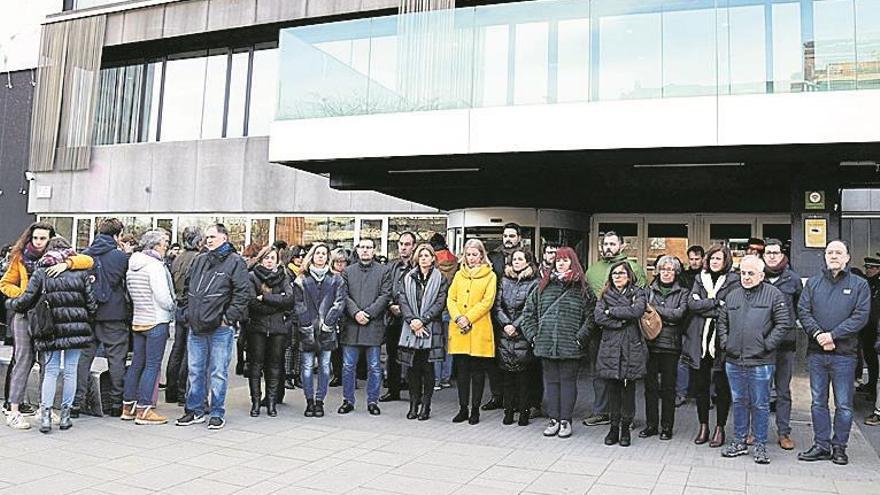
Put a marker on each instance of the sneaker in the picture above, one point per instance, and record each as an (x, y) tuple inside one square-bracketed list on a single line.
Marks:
[(17, 422), (437, 387), (873, 420), (445, 384), (189, 419), (552, 428), (735, 449), (148, 416), (27, 410), (216, 423), (598, 420), (129, 410), (564, 429), (760, 454)]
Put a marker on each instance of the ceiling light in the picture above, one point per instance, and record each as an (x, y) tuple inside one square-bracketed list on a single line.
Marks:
[(689, 165), (434, 170)]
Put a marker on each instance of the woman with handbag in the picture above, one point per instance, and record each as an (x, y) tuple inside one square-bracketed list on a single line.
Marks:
[(423, 336), (319, 299), (623, 356), (64, 326), (513, 351), (471, 340), (557, 320), (668, 299), (699, 347), (268, 328)]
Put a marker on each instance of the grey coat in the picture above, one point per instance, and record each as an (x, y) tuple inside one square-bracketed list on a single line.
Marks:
[(432, 317), (369, 290)]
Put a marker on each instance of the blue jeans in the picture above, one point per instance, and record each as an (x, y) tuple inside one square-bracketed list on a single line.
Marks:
[(750, 390), (146, 361), (829, 370), (443, 369), (52, 367), (350, 355), (683, 379), (308, 361), (209, 351)]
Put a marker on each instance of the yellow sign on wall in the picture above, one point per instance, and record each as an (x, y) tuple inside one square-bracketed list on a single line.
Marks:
[(815, 232)]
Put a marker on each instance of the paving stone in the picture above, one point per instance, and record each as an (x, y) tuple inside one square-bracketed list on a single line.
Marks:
[(261, 488), (783, 481), (529, 459), (561, 483), (663, 489), (164, 477), (512, 474), (616, 490), (849, 487), (402, 484), (18, 472), (202, 486), (699, 490), (240, 475), (629, 480), (713, 478), (60, 483), (427, 471)]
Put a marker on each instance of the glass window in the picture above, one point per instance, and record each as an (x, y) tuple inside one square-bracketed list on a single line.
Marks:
[(264, 91), (237, 227), (491, 66), (628, 231), (422, 227), (868, 43), (733, 235), (215, 96), (63, 225), (167, 224), (531, 63), (152, 95), (371, 228), (666, 239), (629, 49), (573, 61), (689, 52), (193, 221), (564, 237), (491, 236), (260, 232), (83, 233), (183, 99), (121, 114), (134, 226), (301, 231), (340, 232), (833, 28), (742, 50), (788, 56), (237, 94)]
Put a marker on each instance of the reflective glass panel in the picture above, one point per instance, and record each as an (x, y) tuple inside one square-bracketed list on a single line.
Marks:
[(833, 28), (340, 232), (264, 92), (666, 239), (215, 96), (573, 60), (689, 52), (491, 66), (742, 50), (183, 99), (788, 56), (63, 225), (629, 49), (260, 232), (83, 233), (531, 63), (237, 94), (868, 43)]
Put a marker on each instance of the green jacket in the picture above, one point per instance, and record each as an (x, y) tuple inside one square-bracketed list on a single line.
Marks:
[(597, 274), (558, 320)]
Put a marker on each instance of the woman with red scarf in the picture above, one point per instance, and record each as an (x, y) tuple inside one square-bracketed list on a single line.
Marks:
[(26, 254)]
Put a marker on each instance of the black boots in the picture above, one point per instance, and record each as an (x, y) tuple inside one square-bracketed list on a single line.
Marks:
[(256, 393), (425, 411), (319, 409), (718, 438), (613, 435), (255, 407), (270, 406), (413, 410), (524, 416), (508, 417), (475, 415), (703, 435), (625, 439), (310, 408), (462, 415)]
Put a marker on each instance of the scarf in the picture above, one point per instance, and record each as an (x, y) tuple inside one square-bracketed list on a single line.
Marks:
[(773, 273), (319, 273), (524, 274), (30, 256), (708, 327), (152, 253), (55, 257), (269, 278), (665, 289), (564, 277), (432, 290)]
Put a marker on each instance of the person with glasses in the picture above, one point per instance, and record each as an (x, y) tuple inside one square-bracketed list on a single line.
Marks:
[(338, 262), (779, 274), (699, 345), (292, 365), (26, 254), (622, 357), (751, 323), (368, 286), (669, 299)]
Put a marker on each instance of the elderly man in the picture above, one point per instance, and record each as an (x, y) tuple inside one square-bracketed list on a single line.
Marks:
[(753, 321), (833, 307)]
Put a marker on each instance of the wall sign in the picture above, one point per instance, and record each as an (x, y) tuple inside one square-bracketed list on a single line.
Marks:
[(814, 200), (815, 232)]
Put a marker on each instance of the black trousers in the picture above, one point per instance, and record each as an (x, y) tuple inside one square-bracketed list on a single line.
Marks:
[(518, 388), (176, 372), (665, 366), (621, 401), (703, 380), (560, 387), (470, 373), (536, 388), (392, 367), (867, 337), (336, 362), (421, 379), (265, 355)]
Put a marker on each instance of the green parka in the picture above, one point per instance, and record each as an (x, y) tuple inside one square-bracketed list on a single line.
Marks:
[(558, 320)]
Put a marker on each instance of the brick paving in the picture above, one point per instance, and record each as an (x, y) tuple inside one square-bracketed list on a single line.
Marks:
[(360, 454)]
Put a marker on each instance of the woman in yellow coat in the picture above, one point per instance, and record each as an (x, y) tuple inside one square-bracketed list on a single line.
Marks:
[(471, 339)]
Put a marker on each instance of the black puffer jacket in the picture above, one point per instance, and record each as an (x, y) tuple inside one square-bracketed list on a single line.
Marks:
[(514, 353), (751, 324), (623, 354), (270, 316), (672, 309), (73, 304), (702, 308), (789, 283)]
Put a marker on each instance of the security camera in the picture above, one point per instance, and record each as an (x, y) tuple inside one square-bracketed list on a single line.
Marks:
[(29, 176)]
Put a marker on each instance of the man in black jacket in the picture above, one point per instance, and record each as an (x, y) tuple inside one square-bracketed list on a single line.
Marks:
[(111, 320), (780, 275), (397, 269), (176, 369), (369, 290), (833, 307), (753, 321), (216, 297)]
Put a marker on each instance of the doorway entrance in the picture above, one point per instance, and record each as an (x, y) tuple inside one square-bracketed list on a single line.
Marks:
[(648, 236)]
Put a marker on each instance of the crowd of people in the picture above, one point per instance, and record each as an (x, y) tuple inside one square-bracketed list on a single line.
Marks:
[(303, 318)]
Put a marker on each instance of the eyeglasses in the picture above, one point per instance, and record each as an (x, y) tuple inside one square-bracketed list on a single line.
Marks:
[(618, 274), (668, 270)]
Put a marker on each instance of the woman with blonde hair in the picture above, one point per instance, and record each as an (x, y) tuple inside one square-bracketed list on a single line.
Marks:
[(471, 340), (338, 261)]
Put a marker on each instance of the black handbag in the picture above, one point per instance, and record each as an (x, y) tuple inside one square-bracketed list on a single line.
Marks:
[(41, 324)]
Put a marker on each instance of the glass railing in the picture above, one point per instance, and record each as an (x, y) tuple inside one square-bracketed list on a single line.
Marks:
[(561, 51)]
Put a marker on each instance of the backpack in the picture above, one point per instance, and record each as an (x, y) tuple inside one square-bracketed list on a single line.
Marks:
[(101, 286), (41, 324)]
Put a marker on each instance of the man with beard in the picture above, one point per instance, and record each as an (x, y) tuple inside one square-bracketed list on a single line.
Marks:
[(511, 240), (398, 269), (780, 275), (548, 258), (695, 256), (597, 275)]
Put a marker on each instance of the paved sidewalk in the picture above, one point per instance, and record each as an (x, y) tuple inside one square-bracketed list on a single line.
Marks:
[(361, 454)]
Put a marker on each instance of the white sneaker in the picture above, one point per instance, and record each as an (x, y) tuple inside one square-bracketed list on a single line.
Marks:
[(552, 428), (17, 422), (564, 429)]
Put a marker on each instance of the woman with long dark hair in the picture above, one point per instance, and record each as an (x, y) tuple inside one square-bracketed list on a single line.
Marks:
[(423, 336), (320, 304), (514, 353), (557, 320), (623, 354), (268, 328), (700, 350)]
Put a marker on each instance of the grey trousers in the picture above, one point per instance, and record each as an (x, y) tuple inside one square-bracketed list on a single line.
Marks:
[(24, 358), (784, 369), (600, 385), (113, 335)]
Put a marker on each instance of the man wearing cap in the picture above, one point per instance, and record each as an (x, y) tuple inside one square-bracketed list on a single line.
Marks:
[(868, 334)]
